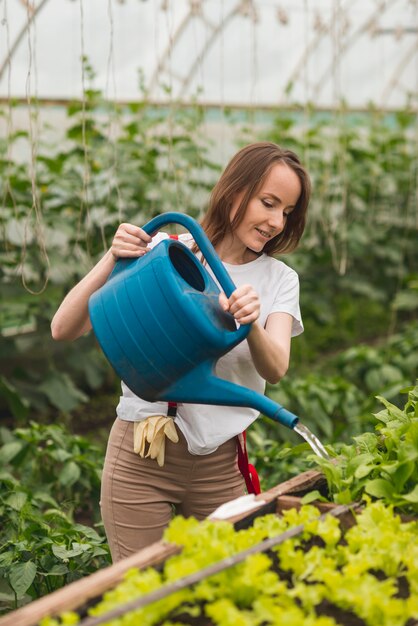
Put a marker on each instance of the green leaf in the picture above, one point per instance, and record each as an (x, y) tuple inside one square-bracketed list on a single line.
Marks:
[(61, 552), (57, 570), (45, 498), (406, 301), (9, 451), (62, 392), (69, 474), (412, 496), (6, 592), (363, 470), (17, 500), (380, 488), (311, 496), (18, 405), (394, 411), (403, 472), (8, 477), (21, 577)]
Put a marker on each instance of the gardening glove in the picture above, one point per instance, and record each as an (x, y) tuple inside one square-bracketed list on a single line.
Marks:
[(153, 431)]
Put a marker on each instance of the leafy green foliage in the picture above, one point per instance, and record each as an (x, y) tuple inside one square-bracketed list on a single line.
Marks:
[(383, 463), (132, 162), (114, 164), (65, 466), (361, 223), (335, 402), (298, 583), (49, 479)]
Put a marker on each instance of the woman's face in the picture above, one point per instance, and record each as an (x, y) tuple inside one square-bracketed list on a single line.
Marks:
[(267, 211)]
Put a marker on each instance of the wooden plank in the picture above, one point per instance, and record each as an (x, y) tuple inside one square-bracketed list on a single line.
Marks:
[(301, 483)]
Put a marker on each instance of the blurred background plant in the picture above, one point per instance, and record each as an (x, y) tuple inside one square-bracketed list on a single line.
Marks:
[(355, 288), (51, 532)]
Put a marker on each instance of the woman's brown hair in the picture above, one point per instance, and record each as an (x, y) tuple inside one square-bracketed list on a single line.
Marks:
[(246, 173)]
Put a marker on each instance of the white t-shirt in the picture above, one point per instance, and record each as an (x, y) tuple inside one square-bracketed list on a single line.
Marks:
[(206, 427)]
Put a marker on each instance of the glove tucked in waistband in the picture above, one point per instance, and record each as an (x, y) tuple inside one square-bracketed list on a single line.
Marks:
[(153, 431)]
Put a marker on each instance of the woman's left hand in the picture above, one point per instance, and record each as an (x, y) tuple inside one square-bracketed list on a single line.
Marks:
[(243, 304)]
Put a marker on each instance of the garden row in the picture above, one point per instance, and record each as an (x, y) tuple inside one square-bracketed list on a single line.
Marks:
[(356, 564)]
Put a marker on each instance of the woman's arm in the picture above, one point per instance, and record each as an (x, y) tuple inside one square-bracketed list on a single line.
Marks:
[(72, 318), (269, 346)]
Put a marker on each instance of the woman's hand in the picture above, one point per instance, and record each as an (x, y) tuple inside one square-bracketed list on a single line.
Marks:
[(243, 304), (269, 346), (129, 241)]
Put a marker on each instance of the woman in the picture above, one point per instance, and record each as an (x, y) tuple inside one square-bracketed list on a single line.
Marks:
[(257, 209)]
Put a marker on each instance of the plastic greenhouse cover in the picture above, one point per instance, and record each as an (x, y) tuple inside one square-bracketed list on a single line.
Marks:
[(244, 52)]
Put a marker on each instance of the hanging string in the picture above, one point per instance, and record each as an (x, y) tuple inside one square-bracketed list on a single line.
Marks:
[(244, 11), (8, 189), (171, 114), (198, 52), (253, 16), (341, 261), (197, 13), (223, 121), (163, 7), (84, 205), (306, 110), (113, 122), (35, 209)]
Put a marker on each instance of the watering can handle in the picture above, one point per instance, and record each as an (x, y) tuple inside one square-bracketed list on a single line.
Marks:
[(202, 241)]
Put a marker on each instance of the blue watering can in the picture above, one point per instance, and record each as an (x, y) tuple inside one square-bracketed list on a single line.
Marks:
[(159, 323)]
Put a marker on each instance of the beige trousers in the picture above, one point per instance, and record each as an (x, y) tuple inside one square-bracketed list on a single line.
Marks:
[(139, 498)]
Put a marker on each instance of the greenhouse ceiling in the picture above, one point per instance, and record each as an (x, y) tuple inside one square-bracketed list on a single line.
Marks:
[(222, 52)]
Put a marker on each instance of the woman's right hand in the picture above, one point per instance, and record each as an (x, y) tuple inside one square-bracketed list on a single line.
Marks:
[(129, 241)]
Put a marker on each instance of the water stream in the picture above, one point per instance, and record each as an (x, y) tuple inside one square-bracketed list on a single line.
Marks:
[(313, 441)]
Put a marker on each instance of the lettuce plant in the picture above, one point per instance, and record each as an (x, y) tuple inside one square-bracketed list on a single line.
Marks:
[(313, 579)]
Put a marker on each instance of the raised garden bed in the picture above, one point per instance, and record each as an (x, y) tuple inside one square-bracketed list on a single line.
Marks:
[(82, 592), (265, 576)]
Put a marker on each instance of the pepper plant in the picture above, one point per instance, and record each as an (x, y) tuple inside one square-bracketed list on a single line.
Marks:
[(51, 532)]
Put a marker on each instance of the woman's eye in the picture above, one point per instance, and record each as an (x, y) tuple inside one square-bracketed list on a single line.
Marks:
[(267, 204)]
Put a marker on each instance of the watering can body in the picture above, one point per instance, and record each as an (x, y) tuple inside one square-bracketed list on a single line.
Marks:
[(159, 322)]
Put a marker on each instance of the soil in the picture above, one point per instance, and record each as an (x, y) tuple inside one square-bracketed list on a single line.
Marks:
[(341, 617), (345, 618)]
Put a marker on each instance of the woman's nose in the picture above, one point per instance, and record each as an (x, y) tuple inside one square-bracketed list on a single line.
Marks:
[(277, 221)]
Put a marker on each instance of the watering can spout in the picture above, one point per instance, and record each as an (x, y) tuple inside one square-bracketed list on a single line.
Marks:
[(202, 386)]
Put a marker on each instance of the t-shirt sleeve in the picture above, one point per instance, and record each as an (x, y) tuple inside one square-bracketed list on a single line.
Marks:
[(287, 300)]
